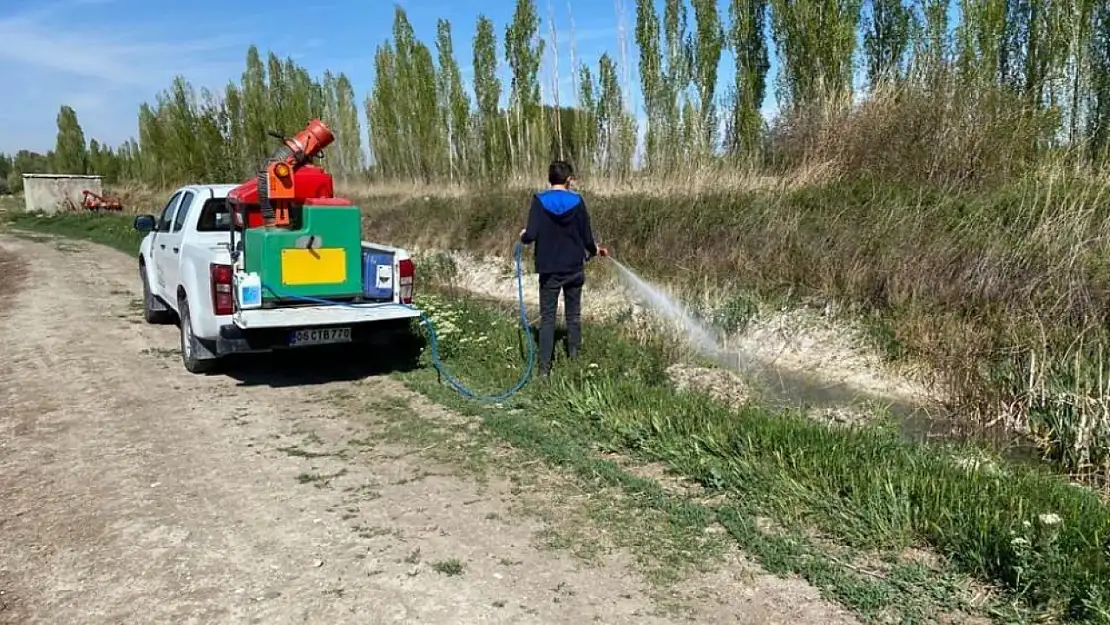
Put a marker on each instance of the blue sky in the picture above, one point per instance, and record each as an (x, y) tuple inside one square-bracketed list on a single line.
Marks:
[(105, 57)]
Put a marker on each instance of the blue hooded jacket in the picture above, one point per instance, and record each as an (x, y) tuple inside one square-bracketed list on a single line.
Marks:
[(559, 225)]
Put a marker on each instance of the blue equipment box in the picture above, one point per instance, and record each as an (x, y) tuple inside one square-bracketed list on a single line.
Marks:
[(377, 275)]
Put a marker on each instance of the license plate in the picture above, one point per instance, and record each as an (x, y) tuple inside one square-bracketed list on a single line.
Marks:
[(319, 336)]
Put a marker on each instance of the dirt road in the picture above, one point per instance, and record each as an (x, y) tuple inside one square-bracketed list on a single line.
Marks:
[(134, 492)]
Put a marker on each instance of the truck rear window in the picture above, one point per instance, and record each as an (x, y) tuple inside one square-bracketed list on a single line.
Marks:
[(214, 217)]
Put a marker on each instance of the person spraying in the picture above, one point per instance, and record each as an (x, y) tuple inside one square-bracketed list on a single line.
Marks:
[(559, 226)]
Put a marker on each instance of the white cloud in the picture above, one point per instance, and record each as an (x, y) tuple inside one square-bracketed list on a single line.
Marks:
[(47, 61), (35, 44)]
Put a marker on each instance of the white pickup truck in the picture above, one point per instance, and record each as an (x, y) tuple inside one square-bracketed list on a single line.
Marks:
[(185, 265)]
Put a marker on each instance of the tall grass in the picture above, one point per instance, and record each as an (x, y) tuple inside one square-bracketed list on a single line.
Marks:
[(943, 132), (1003, 288)]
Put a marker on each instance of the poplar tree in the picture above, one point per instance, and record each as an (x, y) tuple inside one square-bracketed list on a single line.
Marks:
[(454, 103), (430, 140), (487, 92), (617, 131), (587, 131), (276, 95), (1098, 122), (651, 79), (152, 144), (932, 45), (981, 49), (70, 152), (676, 78), (523, 52), (815, 40), (709, 42), (749, 18), (886, 39), (256, 113), (348, 139), (382, 115), (237, 144)]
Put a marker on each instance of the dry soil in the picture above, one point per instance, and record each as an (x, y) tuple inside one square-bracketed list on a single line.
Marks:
[(134, 492)]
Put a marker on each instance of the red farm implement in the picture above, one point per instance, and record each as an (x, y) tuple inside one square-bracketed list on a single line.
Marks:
[(94, 202)]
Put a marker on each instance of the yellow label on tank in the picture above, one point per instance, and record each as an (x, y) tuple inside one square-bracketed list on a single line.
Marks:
[(320, 266)]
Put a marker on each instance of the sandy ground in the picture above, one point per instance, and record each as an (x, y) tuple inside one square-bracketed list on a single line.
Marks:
[(134, 492)]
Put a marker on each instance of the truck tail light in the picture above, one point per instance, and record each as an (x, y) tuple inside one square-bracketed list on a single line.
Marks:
[(405, 273), (222, 301)]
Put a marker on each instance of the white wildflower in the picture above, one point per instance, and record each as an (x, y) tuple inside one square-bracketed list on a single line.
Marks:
[(1050, 519)]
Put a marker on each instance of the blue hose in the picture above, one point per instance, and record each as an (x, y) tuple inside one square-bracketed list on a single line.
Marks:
[(430, 326)]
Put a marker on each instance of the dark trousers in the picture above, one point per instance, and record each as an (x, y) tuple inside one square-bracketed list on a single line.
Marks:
[(551, 284)]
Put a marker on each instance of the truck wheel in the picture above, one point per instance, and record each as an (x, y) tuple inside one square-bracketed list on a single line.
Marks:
[(153, 311), (191, 348)]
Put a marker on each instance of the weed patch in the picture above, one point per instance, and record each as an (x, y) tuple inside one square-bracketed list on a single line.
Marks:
[(451, 567)]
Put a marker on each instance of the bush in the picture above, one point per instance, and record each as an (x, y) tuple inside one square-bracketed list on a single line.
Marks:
[(946, 133)]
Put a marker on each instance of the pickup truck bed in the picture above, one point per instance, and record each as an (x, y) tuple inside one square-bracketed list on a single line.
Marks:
[(178, 261), (321, 315)]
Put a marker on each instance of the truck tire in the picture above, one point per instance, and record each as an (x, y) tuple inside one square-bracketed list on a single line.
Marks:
[(191, 348), (153, 311)]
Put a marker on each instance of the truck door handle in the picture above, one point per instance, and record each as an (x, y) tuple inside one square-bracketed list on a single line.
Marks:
[(163, 246), (175, 250)]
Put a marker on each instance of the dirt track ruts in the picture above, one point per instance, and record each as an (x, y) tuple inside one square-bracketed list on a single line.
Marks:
[(134, 492)]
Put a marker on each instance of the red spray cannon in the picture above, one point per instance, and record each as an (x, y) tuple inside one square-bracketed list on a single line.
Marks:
[(287, 177), (306, 145)]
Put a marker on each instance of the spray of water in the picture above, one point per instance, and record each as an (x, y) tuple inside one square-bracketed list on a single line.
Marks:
[(702, 338)]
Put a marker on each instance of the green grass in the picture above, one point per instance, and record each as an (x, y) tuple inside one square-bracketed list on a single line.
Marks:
[(450, 568), (112, 230), (865, 490)]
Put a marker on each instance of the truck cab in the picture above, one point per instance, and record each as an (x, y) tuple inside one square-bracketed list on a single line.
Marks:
[(188, 274)]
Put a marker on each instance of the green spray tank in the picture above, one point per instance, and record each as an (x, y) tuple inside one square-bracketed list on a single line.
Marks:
[(297, 237)]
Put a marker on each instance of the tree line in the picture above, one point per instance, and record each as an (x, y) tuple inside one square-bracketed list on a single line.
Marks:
[(422, 123)]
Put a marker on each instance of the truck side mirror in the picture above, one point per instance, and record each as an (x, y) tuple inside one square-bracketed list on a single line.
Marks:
[(144, 223)]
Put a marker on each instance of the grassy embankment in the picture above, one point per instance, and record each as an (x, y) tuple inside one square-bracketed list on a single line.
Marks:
[(1005, 293), (835, 498)]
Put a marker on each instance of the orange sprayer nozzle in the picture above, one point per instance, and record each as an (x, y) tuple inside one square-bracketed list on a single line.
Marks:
[(315, 137)]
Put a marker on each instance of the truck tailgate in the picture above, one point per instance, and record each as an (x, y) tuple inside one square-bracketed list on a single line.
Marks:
[(324, 315)]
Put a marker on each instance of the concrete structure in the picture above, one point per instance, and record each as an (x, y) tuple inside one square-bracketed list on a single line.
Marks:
[(53, 193)]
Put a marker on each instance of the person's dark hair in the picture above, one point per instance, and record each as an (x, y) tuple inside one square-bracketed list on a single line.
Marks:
[(559, 172)]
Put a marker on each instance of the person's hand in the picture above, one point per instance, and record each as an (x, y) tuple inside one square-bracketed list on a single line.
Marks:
[(522, 231), (603, 251)]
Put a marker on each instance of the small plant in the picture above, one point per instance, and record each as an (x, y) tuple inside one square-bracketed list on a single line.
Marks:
[(451, 567)]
